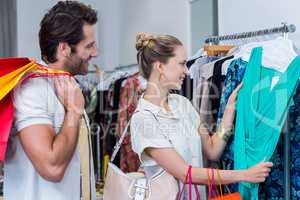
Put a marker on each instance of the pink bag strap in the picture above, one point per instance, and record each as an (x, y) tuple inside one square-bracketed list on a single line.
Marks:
[(184, 183), (189, 178), (195, 186), (209, 183), (211, 180)]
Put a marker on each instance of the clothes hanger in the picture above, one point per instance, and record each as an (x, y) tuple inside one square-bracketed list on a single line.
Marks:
[(214, 50)]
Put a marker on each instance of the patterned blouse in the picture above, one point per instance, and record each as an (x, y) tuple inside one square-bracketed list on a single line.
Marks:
[(273, 187)]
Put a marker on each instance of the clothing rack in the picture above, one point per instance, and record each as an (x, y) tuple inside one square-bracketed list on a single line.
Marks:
[(282, 29), (285, 29), (126, 66), (121, 67)]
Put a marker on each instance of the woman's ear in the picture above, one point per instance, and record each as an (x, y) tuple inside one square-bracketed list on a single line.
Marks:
[(157, 66)]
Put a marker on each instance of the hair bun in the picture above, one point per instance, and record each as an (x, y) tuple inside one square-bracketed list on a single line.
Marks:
[(142, 40)]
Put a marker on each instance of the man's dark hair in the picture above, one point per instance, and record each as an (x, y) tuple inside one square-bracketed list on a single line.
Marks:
[(64, 23)]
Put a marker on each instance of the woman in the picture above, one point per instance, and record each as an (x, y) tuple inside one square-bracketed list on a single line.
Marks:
[(165, 129)]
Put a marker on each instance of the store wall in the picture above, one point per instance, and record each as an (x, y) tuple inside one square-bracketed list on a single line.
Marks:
[(28, 19), (204, 21), (108, 33), (154, 16), (8, 26), (241, 16), (119, 21), (29, 15)]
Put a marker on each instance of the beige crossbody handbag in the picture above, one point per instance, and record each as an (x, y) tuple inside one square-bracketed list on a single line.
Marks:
[(135, 186)]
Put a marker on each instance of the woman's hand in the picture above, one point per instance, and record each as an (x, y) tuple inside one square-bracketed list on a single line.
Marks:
[(232, 98), (229, 113), (258, 173), (213, 146)]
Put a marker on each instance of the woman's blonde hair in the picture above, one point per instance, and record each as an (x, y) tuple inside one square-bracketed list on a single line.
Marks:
[(151, 49)]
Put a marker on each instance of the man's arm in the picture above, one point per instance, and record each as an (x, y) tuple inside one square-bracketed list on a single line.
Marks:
[(51, 152)]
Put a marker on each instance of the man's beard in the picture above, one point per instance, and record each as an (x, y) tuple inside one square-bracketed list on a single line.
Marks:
[(76, 65)]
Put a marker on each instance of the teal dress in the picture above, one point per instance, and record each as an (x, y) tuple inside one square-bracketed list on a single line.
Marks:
[(261, 113)]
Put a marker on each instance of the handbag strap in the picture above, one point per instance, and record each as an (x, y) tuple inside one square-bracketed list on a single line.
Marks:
[(121, 140), (119, 143)]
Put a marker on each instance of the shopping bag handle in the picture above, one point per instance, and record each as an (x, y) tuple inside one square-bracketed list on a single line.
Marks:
[(220, 183), (211, 180), (188, 178)]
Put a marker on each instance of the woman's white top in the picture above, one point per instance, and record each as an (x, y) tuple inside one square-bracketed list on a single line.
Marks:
[(152, 126)]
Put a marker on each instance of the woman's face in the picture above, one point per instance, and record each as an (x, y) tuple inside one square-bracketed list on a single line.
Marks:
[(175, 70)]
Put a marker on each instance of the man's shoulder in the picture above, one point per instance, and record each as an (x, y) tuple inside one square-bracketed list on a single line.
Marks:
[(34, 88), (35, 82), (35, 102), (32, 84)]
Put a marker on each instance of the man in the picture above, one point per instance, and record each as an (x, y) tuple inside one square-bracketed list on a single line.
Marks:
[(48, 113)]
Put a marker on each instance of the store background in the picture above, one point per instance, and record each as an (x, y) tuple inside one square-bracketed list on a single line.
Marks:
[(119, 21)]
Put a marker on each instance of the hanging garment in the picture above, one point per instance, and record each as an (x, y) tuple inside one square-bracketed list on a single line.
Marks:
[(279, 53), (266, 107), (111, 102), (200, 53), (108, 78), (294, 130), (234, 77), (272, 188), (209, 92), (200, 76), (100, 118), (130, 93), (187, 88), (91, 100), (108, 126), (217, 81), (114, 102), (195, 71)]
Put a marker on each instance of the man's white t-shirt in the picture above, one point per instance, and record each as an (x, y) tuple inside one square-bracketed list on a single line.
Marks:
[(35, 102)]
